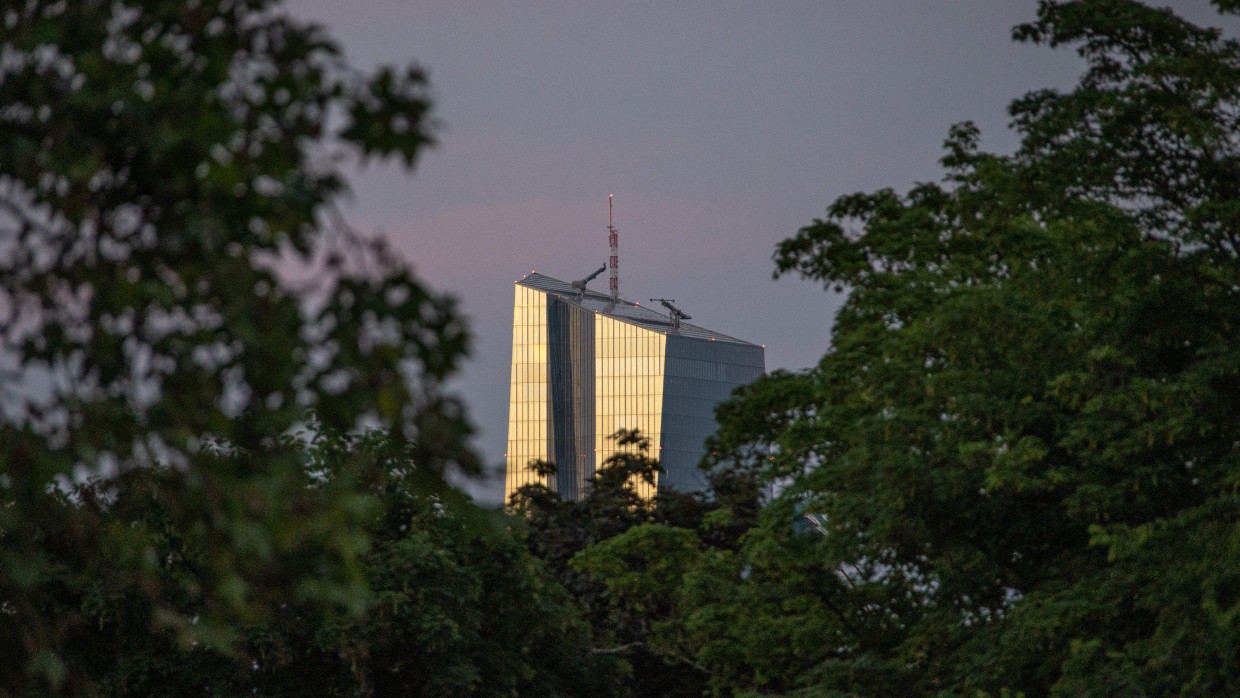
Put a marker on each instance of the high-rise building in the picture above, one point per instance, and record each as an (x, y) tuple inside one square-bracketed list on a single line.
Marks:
[(585, 365)]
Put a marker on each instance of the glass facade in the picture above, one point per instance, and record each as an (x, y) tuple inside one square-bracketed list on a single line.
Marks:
[(584, 367), (529, 430), (628, 379), (699, 374), (570, 333)]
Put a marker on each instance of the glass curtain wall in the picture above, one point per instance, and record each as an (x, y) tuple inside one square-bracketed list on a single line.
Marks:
[(584, 368), (570, 344), (528, 427), (700, 375), (628, 380)]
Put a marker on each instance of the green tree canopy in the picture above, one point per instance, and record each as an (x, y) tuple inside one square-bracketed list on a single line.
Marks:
[(177, 293), (457, 604), (1021, 449), (623, 557)]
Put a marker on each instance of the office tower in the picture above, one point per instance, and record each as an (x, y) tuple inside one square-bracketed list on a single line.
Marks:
[(585, 365)]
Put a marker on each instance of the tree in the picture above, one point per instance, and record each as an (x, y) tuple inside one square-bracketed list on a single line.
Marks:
[(624, 557), (457, 606), (1021, 448), (177, 293)]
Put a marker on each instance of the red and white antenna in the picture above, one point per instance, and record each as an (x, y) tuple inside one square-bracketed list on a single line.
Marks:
[(614, 263)]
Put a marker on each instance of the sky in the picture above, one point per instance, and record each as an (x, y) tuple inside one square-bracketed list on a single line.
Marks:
[(720, 128)]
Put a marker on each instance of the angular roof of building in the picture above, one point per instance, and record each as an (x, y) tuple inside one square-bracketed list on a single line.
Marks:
[(622, 310)]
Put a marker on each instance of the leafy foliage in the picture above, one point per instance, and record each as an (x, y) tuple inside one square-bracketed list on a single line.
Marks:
[(1014, 473), (1021, 449), (177, 292), (457, 605), (622, 557)]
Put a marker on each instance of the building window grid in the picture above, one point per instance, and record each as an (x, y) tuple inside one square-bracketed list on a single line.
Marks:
[(699, 376), (527, 431), (628, 386)]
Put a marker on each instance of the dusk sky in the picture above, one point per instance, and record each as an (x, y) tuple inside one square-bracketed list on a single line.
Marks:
[(720, 127)]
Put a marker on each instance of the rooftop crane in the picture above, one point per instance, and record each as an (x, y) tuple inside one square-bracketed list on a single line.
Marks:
[(676, 313), (581, 285)]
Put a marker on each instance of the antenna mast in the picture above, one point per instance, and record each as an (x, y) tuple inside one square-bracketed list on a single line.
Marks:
[(613, 239)]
